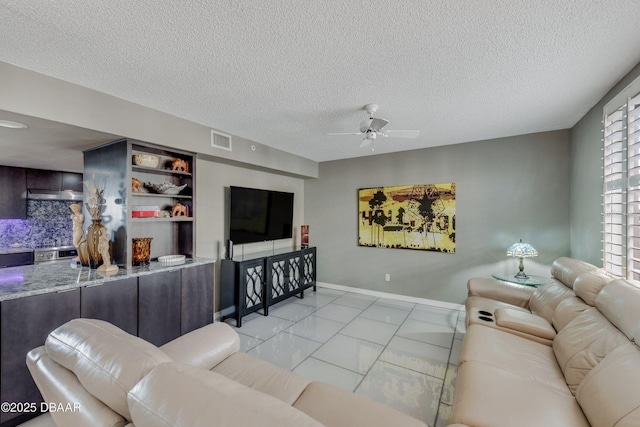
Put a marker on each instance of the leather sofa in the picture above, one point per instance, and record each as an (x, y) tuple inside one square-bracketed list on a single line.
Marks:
[(568, 356), (200, 379)]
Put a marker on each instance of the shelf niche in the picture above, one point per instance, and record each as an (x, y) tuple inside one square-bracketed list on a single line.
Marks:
[(111, 167)]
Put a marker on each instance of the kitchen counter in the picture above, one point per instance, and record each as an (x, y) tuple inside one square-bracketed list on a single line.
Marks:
[(28, 280), (9, 250)]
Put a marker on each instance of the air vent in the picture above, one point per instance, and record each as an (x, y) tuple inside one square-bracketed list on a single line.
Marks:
[(220, 140)]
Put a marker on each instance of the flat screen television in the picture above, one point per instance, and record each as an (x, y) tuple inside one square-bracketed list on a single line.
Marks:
[(259, 215)]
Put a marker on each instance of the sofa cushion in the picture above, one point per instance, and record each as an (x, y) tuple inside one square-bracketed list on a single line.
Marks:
[(567, 310), (546, 298), (262, 376), (528, 359), (107, 361), (588, 285), (583, 343), (609, 393), (177, 395), (527, 323), (86, 410), (508, 293), (204, 347), (619, 301), (567, 270), (335, 407), (491, 396)]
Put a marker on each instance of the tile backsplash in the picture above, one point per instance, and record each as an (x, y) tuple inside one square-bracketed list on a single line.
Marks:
[(48, 223)]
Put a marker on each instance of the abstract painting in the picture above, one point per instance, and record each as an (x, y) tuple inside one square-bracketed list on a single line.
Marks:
[(421, 217)]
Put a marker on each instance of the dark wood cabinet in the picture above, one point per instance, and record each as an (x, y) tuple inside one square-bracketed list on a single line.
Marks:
[(53, 180), (197, 298), (13, 197), (115, 302), (24, 325), (256, 281), (44, 179), (72, 181), (159, 306)]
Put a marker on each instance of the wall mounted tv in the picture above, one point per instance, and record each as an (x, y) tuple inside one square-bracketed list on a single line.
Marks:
[(259, 215)]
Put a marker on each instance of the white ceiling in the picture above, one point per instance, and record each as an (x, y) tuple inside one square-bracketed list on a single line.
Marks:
[(285, 73)]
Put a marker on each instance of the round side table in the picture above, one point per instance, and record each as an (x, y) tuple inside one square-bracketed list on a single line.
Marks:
[(534, 281)]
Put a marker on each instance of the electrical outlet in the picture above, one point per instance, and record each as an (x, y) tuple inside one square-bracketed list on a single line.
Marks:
[(387, 277)]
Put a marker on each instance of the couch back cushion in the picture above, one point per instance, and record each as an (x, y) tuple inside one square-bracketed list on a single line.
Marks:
[(107, 361), (174, 394), (583, 343), (546, 298), (609, 395), (619, 301), (588, 285), (567, 270)]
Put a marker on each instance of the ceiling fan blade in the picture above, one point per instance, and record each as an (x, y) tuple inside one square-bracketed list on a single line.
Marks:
[(365, 143), (402, 133), (344, 133), (377, 124)]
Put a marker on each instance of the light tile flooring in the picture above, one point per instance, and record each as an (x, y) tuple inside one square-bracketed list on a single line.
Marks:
[(401, 354)]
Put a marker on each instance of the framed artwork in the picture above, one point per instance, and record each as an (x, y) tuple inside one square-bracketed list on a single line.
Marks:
[(421, 217)]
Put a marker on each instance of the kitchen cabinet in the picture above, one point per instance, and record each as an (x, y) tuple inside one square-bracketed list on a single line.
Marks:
[(159, 307), (131, 185), (197, 298), (53, 180), (24, 325), (115, 302), (13, 197)]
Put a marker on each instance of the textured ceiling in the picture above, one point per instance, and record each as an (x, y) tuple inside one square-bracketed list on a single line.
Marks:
[(285, 73)]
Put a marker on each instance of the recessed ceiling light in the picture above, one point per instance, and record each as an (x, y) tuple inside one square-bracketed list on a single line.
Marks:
[(12, 125)]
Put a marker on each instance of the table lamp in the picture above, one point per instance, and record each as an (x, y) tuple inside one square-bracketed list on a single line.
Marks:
[(521, 250)]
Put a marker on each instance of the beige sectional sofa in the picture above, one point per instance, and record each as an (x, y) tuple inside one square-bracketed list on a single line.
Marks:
[(198, 380), (567, 355)]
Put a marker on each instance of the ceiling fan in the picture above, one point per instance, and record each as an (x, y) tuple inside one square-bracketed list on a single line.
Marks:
[(373, 126)]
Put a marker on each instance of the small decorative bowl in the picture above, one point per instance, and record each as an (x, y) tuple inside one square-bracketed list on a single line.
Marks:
[(165, 188), (172, 259), (146, 160)]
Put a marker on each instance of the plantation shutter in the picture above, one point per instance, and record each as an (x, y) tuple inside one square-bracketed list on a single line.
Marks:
[(614, 192), (633, 187)]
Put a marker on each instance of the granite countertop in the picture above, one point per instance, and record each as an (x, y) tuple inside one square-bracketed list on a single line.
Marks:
[(28, 280)]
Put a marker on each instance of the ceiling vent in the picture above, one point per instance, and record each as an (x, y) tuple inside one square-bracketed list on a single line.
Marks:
[(220, 140)]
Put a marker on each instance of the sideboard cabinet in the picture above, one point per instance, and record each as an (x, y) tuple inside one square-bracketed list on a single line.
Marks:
[(254, 282)]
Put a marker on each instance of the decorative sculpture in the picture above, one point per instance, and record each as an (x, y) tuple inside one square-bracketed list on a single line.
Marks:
[(136, 185), (103, 248), (79, 239), (179, 210), (180, 165)]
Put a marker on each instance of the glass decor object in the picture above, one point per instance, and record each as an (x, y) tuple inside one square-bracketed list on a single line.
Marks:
[(522, 250), (141, 247)]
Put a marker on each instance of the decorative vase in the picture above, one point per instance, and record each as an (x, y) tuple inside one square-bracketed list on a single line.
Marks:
[(141, 250), (93, 240)]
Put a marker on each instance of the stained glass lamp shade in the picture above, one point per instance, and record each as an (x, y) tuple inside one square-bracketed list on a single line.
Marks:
[(521, 250)]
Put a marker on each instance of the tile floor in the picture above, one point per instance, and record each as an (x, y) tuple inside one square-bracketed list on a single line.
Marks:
[(398, 353)]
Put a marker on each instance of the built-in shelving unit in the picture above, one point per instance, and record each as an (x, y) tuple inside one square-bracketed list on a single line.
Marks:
[(112, 166)]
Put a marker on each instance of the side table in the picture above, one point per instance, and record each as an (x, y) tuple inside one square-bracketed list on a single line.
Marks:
[(534, 281)]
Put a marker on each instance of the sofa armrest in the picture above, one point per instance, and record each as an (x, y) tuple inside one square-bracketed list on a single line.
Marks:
[(490, 288), (524, 322), (204, 347)]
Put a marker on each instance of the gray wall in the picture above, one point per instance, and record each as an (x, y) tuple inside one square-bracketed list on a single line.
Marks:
[(586, 179), (506, 189)]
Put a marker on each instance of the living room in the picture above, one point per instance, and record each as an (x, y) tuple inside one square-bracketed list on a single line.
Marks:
[(541, 184)]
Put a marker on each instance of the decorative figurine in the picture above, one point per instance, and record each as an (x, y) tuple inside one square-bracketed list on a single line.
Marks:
[(136, 185), (180, 165), (103, 248), (79, 239), (179, 210)]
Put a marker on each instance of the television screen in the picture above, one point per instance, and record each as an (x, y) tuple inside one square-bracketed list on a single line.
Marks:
[(259, 215)]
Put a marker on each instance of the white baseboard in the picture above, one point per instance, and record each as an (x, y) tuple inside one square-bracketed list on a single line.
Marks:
[(434, 303)]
